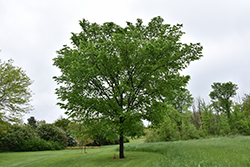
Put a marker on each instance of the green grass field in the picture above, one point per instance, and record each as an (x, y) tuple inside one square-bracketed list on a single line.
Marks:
[(228, 151)]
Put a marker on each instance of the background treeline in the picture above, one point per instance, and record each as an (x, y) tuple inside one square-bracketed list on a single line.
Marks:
[(39, 136), (31, 137), (180, 118), (222, 117)]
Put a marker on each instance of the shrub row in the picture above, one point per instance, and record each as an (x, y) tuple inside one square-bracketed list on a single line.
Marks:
[(25, 138), (41, 144)]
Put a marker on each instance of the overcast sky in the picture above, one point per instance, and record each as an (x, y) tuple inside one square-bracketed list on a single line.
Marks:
[(32, 31)]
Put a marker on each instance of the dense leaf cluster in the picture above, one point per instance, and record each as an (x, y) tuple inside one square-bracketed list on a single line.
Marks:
[(15, 94), (50, 132), (115, 75), (26, 138), (202, 122)]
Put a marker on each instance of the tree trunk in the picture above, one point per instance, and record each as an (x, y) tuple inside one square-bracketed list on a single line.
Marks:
[(85, 149), (121, 155), (228, 111)]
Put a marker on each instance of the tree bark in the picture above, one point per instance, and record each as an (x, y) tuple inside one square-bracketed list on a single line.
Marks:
[(121, 155)]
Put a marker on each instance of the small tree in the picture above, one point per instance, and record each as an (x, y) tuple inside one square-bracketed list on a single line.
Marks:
[(115, 74), (15, 94), (207, 118), (81, 135), (83, 141), (241, 116), (246, 103)]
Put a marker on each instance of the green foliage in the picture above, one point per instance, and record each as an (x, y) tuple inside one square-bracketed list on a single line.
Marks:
[(243, 126), (39, 144), (222, 125), (106, 136), (169, 129), (241, 117), (188, 130), (4, 129), (62, 123), (175, 126), (15, 94), (32, 122), (181, 100), (202, 123), (152, 135), (80, 133), (246, 103), (221, 96), (50, 132), (99, 140), (25, 138), (208, 119), (114, 74), (16, 137), (41, 122), (71, 139), (4, 126)]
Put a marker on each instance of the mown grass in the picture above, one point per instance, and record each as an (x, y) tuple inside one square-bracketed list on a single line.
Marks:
[(228, 151), (74, 158)]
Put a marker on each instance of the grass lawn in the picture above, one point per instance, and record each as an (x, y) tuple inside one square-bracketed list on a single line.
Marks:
[(95, 157), (228, 151), (225, 151)]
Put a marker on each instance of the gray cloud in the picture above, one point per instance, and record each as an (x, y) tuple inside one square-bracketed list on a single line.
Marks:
[(32, 31)]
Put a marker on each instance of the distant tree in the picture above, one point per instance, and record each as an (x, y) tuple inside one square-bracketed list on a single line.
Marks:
[(207, 118), (15, 94), (182, 99), (241, 116), (115, 74), (221, 96), (32, 122), (41, 122), (62, 123), (246, 103)]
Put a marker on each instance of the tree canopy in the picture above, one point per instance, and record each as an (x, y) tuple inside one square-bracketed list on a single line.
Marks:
[(15, 94), (62, 123), (32, 122), (119, 75), (221, 96)]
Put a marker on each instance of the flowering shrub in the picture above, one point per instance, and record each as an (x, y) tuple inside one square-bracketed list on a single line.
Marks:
[(50, 132), (71, 140)]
